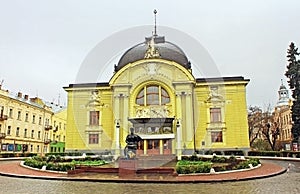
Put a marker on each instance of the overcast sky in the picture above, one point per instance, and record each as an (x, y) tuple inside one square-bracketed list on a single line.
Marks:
[(44, 43)]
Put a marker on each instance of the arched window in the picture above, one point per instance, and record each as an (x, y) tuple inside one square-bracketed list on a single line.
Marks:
[(152, 95)]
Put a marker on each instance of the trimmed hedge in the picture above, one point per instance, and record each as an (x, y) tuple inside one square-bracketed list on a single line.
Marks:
[(275, 153), (225, 152), (195, 164), (58, 163), (14, 155), (188, 167)]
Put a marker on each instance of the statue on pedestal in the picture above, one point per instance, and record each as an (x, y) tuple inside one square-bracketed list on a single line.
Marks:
[(132, 143)]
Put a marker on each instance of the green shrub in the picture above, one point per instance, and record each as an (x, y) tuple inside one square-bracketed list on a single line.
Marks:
[(242, 165), (60, 167), (254, 161), (232, 159), (187, 167), (34, 163), (218, 159)]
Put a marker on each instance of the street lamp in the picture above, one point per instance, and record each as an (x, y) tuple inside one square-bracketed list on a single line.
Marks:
[(118, 137)]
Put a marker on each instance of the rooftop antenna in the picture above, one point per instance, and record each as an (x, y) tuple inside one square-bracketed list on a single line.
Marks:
[(155, 12)]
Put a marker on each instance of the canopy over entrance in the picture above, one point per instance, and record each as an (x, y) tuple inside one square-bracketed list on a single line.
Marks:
[(152, 126)]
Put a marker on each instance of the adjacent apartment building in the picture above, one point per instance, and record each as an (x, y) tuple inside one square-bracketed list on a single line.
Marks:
[(30, 124)]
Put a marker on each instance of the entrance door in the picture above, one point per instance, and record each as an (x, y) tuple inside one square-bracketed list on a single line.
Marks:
[(167, 143), (153, 147)]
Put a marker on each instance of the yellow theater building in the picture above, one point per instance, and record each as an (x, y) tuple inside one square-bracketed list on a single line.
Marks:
[(154, 91)]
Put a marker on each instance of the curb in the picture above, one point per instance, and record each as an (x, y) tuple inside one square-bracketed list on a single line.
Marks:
[(132, 179)]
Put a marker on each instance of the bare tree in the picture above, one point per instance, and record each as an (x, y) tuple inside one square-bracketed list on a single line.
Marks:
[(254, 123), (262, 126)]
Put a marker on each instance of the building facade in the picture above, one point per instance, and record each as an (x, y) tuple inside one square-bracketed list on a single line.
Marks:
[(283, 119), (154, 91), (26, 124)]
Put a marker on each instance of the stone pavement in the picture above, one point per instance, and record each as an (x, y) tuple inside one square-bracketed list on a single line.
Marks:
[(267, 169)]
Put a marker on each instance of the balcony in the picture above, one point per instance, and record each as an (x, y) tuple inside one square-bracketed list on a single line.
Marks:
[(2, 135), (55, 129), (47, 141), (3, 117), (48, 127)]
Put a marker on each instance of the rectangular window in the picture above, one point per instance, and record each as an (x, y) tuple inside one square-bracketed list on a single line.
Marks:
[(19, 115), (26, 117), (8, 130), (216, 136), (33, 118), (46, 121), (215, 115), (93, 138), (40, 120), (32, 134), (39, 135), (94, 117), (10, 113), (25, 133), (18, 132)]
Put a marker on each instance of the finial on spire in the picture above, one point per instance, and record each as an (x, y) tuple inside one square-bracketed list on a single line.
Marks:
[(281, 81), (155, 12)]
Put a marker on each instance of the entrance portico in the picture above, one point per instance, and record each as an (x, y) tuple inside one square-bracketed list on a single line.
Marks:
[(157, 135)]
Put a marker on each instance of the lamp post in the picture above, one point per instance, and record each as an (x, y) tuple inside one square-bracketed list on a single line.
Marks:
[(178, 140), (117, 138)]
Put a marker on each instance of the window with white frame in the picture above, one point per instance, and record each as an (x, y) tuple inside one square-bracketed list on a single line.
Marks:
[(216, 136), (94, 117), (93, 138), (152, 95), (215, 115)]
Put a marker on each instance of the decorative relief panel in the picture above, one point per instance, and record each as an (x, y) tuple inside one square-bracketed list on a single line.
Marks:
[(152, 112), (95, 100), (215, 94)]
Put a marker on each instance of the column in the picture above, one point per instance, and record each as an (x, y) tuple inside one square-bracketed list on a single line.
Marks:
[(161, 147), (145, 146)]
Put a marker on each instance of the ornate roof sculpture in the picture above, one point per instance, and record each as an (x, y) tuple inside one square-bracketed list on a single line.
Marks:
[(154, 47)]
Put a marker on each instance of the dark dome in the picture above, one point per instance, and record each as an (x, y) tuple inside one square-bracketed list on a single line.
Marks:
[(166, 50)]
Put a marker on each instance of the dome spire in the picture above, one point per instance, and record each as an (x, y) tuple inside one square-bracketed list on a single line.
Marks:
[(155, 12)]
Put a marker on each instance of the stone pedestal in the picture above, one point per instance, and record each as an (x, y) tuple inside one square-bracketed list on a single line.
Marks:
[(127, 167)]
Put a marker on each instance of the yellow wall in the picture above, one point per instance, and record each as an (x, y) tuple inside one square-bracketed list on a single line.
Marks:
[(11, 105)]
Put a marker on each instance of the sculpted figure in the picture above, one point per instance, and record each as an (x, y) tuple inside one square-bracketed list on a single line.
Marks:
[(132, 143)]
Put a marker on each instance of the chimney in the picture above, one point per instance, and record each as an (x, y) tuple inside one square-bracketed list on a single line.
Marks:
[(33, 100), (19, 95), (26, 97)]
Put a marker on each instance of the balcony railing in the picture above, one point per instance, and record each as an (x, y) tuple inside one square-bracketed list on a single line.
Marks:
[(2, 135), (55, 129), (3, 117), (48, 127), (47, 141)]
